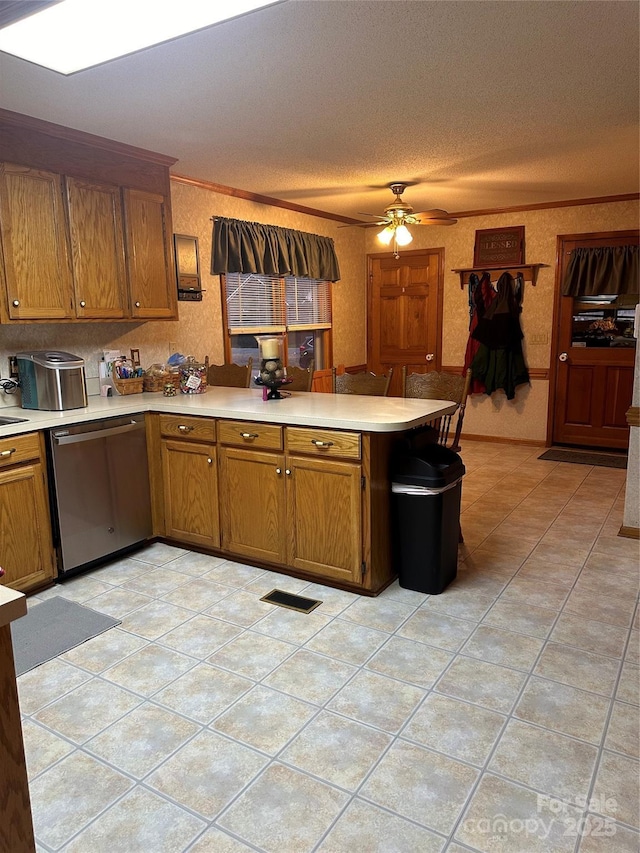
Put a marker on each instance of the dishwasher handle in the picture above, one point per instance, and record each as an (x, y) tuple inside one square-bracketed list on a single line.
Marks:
[(98, 433)]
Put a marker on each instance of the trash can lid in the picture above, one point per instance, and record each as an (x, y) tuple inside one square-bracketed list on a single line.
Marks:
[(433, 466)]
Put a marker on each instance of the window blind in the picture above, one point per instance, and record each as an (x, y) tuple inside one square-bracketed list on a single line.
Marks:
[(273, 304)]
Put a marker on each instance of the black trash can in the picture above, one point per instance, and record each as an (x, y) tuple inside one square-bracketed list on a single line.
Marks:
[(426, 490)]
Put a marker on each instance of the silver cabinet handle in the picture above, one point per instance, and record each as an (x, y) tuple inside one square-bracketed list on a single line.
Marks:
[(16, 302), (278, 470), (210, 460), (7, 452), (82, 303), (1, 572), (184, 428), (319, 443), (137, 304), (287, 471), (430, 356), (563, 357), (249, 435)]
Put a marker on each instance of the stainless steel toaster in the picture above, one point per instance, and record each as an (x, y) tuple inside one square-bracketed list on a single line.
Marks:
[(51, 380)]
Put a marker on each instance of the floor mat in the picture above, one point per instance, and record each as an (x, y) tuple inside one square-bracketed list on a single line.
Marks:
[(585, 457), (53, 627)]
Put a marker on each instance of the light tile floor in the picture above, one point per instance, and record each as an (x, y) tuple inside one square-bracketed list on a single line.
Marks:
[(500, 716)]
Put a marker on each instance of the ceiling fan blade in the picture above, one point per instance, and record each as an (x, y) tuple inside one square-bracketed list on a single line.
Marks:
[(437, 220), (435, 213)]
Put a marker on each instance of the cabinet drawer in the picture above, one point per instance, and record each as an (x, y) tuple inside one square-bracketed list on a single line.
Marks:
[(323, 442), (248, 434), (195, 429), (19, 448)]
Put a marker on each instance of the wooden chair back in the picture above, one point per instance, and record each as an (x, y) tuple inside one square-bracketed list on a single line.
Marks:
[(230, 375), (302, 378), (361, 383), (440, 386)]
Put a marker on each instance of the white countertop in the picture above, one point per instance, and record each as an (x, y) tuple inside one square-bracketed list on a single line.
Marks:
[(334, 411)]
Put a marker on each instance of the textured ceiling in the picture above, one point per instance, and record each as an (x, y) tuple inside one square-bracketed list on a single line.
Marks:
[(324, 102)]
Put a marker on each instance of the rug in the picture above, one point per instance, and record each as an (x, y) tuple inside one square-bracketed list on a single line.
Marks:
[(585, 457), (53, 627)]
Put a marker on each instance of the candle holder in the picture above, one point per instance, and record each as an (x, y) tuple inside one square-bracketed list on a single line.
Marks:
[(272, 375)]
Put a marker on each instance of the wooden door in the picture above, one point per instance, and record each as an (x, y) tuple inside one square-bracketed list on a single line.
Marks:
[(25, 529), (252, 504), (97, 250), (190, 481), (34, 244), (404, 313), (325, 518), (149, 256), (593, 385)]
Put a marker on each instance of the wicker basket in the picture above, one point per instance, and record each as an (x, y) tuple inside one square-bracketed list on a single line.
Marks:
[(159, 380), (129, 386)]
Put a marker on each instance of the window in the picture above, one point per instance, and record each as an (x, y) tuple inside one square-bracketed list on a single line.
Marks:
[(297, 308)]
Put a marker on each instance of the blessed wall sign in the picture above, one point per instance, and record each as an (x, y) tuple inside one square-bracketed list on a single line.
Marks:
[(497, 247)]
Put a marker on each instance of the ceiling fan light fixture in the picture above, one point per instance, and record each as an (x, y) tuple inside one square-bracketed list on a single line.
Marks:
[(386, 235), (403, 235)]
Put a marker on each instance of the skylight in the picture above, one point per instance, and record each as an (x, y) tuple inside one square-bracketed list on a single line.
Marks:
[(77, 34)]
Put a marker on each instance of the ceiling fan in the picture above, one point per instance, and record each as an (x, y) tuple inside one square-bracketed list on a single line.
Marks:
[(399, 214)]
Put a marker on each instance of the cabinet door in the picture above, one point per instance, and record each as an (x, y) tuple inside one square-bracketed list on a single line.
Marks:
[(34, 244), (25, 529), (324, 509), (97, 250), (252, 503), (149, 257), (191, 492)]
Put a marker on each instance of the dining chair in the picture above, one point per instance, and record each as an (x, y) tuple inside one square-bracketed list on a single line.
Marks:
[(231, 375), (361, 383), (302, 378), (440, 386)]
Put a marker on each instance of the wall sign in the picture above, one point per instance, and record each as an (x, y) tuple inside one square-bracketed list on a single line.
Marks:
[(499, 246)]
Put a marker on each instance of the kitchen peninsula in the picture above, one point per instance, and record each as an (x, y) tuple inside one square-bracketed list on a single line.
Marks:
[(299, 485)]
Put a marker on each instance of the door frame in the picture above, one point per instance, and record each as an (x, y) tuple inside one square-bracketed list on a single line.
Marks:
[(378, 256), (561, 240)]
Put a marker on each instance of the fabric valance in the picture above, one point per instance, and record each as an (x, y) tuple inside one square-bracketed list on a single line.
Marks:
[(249, 247), (605, 270)]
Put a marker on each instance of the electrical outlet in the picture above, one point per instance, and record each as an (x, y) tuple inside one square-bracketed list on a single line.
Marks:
[(173, 347), (13, 367), (540, 338)]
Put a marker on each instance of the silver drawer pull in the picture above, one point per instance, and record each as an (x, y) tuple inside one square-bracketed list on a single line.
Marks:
[(184, 428), (8, 452), (319, 443), (249, 435)]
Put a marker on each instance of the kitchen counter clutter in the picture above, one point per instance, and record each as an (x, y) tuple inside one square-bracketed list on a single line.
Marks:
[(339, 411), (299, 485)]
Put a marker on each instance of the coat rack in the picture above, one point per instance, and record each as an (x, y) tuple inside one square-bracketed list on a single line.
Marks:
[(529, 272)]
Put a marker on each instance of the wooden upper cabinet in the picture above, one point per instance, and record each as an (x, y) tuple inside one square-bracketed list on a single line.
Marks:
[(34, 244), (97, 250), (149, 256)]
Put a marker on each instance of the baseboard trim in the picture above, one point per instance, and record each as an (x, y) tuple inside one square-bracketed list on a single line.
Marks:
[(629, 532), (503, 440)]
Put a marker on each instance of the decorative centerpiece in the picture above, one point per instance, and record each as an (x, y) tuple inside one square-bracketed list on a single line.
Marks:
[(272, 373)]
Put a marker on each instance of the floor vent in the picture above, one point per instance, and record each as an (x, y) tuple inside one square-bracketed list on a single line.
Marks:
[(291, 602)]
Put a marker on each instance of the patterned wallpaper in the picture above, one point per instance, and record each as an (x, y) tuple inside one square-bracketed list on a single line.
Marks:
[(198, 331)]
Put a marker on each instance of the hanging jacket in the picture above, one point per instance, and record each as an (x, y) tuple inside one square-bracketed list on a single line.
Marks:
[(481, 296), (499, 362)]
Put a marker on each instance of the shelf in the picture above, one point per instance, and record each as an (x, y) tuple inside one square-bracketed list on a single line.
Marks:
[(529, 272)]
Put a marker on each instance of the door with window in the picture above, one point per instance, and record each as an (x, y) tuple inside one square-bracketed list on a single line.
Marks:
[(404, 313), (595, 354)]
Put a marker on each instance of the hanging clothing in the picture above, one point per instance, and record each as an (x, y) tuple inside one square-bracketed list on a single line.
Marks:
[(499, 361), (481, 295)]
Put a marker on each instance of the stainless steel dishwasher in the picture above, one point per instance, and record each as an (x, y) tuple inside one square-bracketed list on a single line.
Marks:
[(100, 485)]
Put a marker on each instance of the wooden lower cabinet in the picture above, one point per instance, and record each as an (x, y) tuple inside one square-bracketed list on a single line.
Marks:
[(190, 481), (26, 552), (324, 518), (252, 504)]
